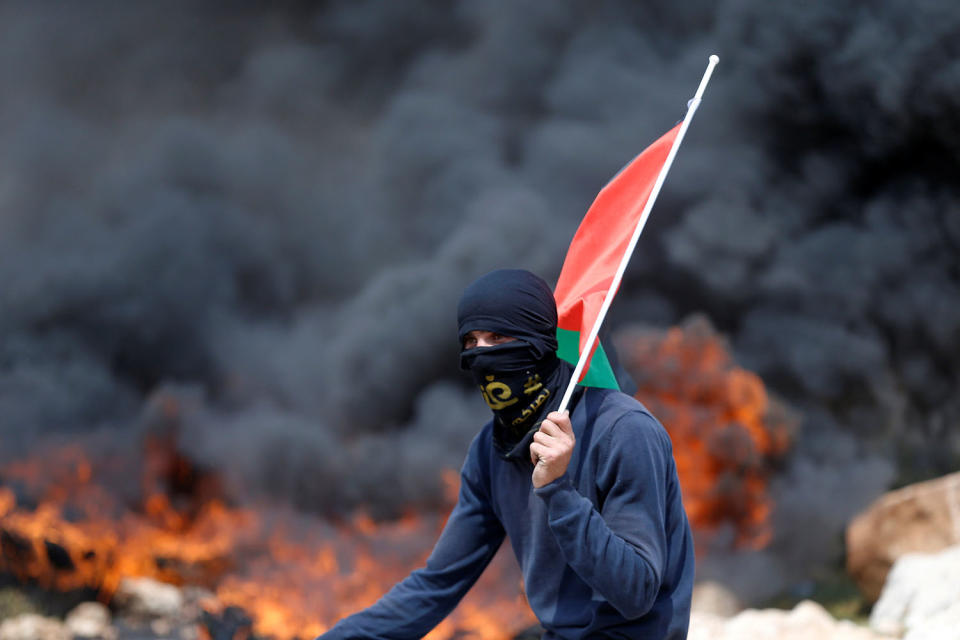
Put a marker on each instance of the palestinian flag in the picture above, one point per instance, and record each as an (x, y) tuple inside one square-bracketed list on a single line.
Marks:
[(595, 254)]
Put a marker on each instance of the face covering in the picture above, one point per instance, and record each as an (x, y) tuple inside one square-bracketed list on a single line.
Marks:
[(522, 380), (515, 386), (514, 303)]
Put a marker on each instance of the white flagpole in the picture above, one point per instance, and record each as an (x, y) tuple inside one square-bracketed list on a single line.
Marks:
[(618, 276)]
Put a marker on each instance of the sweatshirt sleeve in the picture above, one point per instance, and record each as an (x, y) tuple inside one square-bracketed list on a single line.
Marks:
[(418, 603), (620, 551)]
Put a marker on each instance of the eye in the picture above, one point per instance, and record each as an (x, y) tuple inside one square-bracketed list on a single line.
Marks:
[(469, 342)]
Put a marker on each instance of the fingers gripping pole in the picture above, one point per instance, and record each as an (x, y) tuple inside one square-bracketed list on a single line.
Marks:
[(618, 276)]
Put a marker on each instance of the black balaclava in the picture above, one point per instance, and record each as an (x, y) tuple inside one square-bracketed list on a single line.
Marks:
[(522, 380)]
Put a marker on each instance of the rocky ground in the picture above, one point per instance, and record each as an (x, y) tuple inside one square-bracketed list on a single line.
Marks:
[(142, 609), (921, 601), (807, 621), (912, 561)]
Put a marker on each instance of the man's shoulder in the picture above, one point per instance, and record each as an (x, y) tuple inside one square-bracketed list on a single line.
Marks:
[(481, 445), (609, 405), (617, 414)]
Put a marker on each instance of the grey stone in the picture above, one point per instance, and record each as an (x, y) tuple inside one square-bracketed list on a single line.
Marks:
[(31, 626), (713, 597), (943, 625), (149, 599), (90, 620), (807, 621), (919, 518), (921, 597)]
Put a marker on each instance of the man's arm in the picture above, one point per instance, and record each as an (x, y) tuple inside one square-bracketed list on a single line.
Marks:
[(415, 605), (621, 551)]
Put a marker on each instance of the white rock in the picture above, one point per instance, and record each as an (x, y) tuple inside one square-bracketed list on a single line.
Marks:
[(713, 597), (944, 625), (161, 627), (89, 620), (810, 613), (30, 626), (190, 632), (807, 621), (148, 598), (920, 588), (706, 626)]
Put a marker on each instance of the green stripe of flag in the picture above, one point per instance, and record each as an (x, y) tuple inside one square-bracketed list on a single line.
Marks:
[(600, 373)]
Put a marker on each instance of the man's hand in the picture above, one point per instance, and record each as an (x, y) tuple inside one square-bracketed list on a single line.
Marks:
[(551, 448)]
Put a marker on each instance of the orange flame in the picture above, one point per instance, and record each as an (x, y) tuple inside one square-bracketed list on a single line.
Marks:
[(726, 430), (296, 575)]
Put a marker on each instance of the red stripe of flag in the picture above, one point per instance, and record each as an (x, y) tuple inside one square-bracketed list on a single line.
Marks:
[(601, 240)]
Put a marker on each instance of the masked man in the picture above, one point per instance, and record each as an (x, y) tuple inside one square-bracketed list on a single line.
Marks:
[(589, 499)]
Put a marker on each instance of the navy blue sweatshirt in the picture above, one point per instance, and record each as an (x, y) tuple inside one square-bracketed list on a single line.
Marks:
[(606, 550)]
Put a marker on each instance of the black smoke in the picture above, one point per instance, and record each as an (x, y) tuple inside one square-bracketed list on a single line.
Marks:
[(268, 212)]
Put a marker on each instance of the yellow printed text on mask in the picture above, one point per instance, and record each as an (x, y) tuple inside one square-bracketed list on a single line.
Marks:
[(497, 395), (536, 404)]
